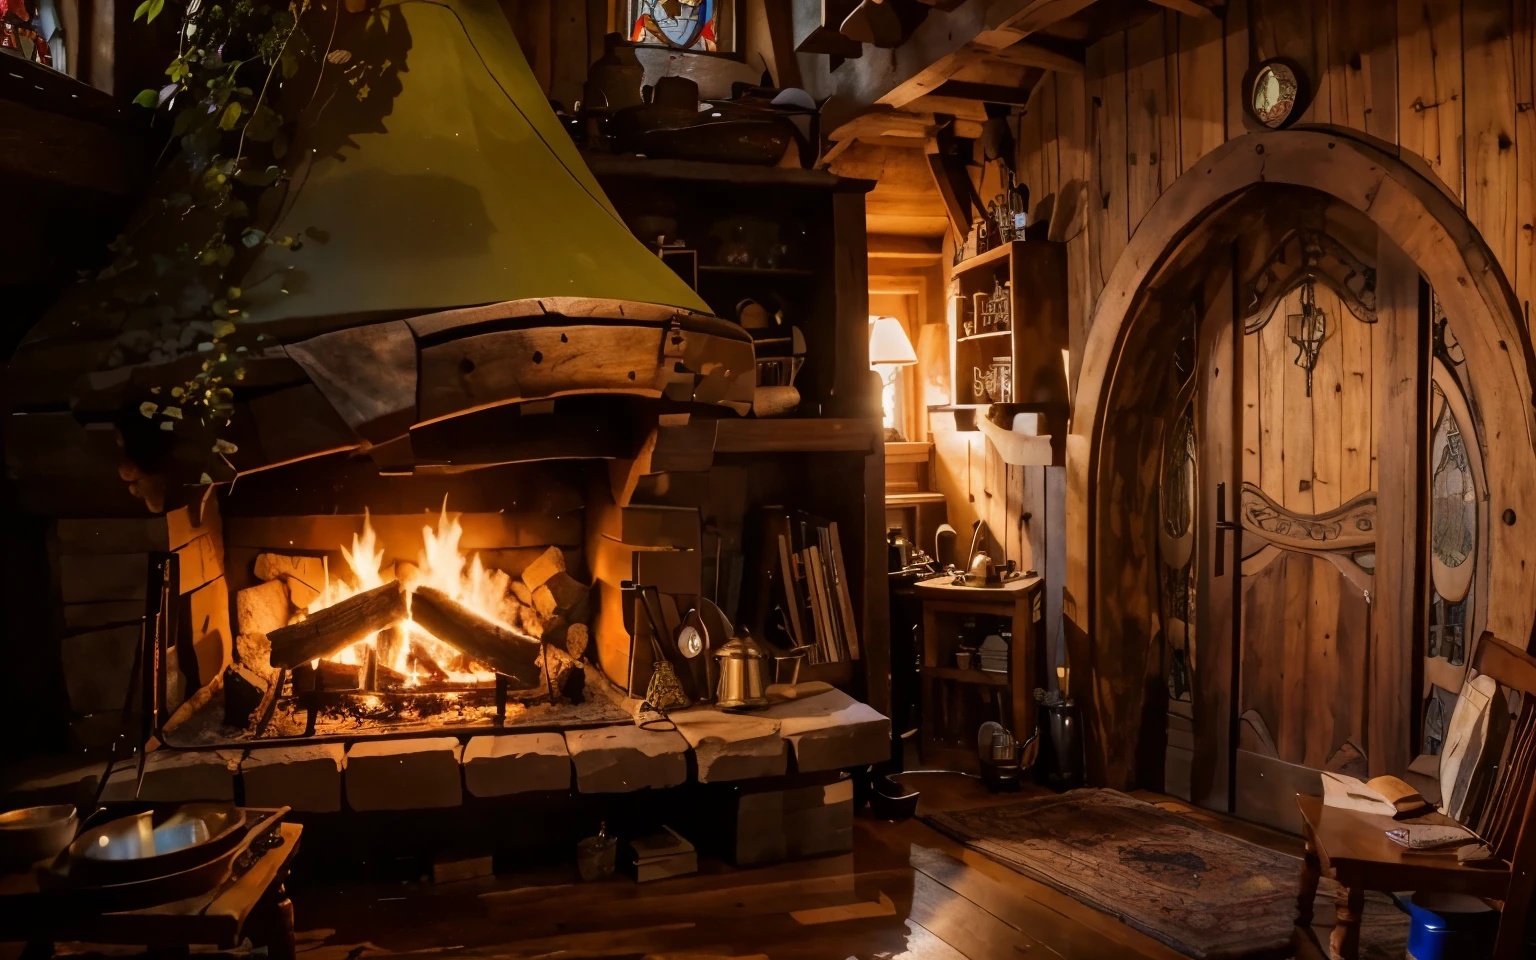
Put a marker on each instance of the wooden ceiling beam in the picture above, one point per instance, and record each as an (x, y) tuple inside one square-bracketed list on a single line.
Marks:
[(1188, 7), (897, 247), (1027, 54), (984, 92)]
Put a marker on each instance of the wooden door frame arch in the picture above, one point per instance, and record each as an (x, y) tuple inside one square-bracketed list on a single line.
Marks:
[(1428, 226)]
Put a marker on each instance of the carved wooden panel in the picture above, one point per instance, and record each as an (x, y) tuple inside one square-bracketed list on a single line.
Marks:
[(1305, 627), (1349, 526), (1310, 454)]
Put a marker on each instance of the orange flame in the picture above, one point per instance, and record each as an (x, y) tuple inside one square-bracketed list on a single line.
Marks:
[(441, 564)]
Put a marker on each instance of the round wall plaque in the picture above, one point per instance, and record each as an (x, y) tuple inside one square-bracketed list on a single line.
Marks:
[(1275, 94)]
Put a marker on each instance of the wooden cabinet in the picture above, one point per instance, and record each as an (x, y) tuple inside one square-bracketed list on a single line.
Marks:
[(956, 699)]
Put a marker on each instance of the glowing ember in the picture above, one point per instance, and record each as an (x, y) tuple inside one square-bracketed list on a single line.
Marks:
[(407, 648)]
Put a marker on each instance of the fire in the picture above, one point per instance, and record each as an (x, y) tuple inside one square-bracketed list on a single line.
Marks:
[(442, 564)]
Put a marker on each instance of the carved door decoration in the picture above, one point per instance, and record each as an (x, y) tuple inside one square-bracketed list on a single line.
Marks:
[(1456, 515), (1308, 511)]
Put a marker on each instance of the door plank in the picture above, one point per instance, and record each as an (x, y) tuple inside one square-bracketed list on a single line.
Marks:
[(1429, 86), (1297, 444), (1328, 407), (1400, 345), (1326, 699), (1252, 437), (1355, 445), (1216, 397), (1272, 355), (1295, 620)]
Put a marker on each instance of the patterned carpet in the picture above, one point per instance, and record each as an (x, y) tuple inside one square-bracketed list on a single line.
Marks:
[(1202, 893)]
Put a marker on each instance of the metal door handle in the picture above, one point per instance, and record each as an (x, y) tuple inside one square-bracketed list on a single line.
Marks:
[(1222, 527)]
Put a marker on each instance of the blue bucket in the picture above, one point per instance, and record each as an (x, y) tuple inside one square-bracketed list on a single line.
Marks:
[(1450, 926)]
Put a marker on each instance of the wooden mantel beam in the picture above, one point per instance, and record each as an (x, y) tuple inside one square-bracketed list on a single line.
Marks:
[(1190, 8)]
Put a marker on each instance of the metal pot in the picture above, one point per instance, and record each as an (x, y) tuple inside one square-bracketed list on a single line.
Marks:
[(743, 681)]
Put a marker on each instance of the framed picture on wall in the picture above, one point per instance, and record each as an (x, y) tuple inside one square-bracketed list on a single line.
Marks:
[(696, 26)]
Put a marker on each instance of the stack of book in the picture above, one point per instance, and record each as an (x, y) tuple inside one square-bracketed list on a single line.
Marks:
[(813, 581), (662, 855)]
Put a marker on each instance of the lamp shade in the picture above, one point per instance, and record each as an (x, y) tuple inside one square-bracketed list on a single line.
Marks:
[(888, 343)]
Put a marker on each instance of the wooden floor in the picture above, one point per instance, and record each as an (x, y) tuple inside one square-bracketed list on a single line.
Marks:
[(906, 892)]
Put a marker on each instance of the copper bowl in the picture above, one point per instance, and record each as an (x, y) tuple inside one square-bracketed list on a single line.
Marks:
[(155, 843)]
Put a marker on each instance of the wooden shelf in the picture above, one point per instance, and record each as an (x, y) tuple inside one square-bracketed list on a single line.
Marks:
[(908, 499), (629, 165), (986, 259), (980, 336), (981, 678), (790, 435)]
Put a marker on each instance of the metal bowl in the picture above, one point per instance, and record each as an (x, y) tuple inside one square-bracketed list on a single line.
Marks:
[(35, 833), (155, 843)]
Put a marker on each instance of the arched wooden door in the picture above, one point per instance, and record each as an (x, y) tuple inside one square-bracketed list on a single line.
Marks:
[(1299, 446)]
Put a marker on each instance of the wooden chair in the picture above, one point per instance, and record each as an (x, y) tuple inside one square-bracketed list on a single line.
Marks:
[(1352, 847)]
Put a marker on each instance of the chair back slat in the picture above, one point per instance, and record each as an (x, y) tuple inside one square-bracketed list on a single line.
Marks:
[(1506, 804), (1509, 665)]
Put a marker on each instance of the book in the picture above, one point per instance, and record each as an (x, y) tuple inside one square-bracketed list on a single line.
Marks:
[(1386, 796), (1430, 836)]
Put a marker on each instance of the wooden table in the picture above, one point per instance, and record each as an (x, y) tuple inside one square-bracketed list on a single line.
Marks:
[(1017, 600), (253, 904)]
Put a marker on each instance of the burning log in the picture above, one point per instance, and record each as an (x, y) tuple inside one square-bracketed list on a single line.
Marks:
[(326, 631), (328, 675), (502, 649)]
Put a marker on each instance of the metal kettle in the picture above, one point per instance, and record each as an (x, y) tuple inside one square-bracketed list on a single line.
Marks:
[(743, 683)]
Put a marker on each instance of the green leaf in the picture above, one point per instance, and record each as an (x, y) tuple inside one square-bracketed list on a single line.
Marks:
[(230, 116), (155, 6), (143, 9), (252, 237), (264, 124), (148, 98)]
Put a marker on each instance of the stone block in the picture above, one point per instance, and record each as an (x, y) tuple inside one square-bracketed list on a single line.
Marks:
[(263, 608), (404, 774), (833, 731), (733, 746), (306, 777), (622, 759), (97, 667), (304, 576), (499, 766), (775, 825), (177, 775), (254, 652)]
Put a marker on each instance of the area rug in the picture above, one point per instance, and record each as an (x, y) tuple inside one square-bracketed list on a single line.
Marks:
[(1202, 893)]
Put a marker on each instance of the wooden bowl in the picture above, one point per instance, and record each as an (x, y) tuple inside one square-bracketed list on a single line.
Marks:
[(35, 833)]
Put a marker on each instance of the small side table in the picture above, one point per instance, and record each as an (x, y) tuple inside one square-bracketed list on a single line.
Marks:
[(957, 701), (255, 904)]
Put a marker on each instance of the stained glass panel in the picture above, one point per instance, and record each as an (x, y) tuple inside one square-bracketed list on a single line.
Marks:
[(31, 28), (680, 24)]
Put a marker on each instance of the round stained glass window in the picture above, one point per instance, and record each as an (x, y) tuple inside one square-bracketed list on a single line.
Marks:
[(1274, 94)]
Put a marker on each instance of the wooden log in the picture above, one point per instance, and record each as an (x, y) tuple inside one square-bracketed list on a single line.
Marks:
[(328, 675), (503, 649), (326, 631)]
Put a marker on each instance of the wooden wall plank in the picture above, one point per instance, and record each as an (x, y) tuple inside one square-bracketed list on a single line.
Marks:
[(1238, 52), (1362, 66), (1401, 352), (1169, 162), (1146, 100), (1525, 158), (1095, 213), (1202, 86), (1109, 157), (1429, 85), (568, 53), (1355, 453), (1328, 407), (1299, 31), (1490, 127)]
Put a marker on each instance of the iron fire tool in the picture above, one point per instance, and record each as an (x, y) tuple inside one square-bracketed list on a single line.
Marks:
[(664, 692)]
